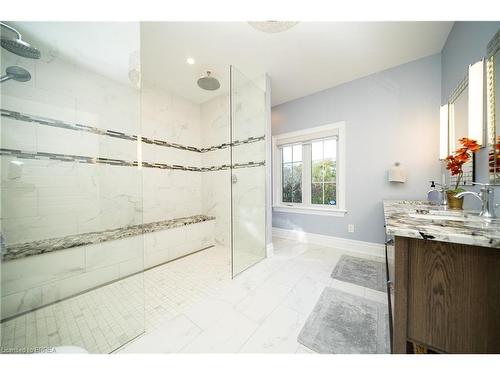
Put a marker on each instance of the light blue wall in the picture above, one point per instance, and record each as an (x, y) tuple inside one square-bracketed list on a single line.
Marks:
[(465, 45), (391, 116)]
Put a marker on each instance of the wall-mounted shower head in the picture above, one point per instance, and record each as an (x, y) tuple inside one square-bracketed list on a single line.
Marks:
[(16, 73), (208, 82), (17, 45)]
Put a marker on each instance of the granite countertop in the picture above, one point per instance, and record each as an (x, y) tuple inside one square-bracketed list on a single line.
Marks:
[(22, 250), (471, 231)]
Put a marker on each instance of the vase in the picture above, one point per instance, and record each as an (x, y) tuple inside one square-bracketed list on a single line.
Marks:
[(454, 203)]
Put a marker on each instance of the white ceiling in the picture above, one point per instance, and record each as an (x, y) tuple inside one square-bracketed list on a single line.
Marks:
[(310, 57)]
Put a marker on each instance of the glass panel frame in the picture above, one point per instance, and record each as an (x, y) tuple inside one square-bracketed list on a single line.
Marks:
[(248, 183), (79, 291)]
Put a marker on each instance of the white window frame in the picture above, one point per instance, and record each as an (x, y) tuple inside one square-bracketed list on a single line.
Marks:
[(337, 130)]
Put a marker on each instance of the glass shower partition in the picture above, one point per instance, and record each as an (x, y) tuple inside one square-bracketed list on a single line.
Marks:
[(248, 179), (71, 184)]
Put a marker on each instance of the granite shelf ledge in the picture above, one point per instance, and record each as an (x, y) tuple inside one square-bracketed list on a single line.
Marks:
[(26, 249), (399, 223)]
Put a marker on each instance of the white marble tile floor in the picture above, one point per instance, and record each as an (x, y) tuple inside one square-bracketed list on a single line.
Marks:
[(191, 305), (261, 311)]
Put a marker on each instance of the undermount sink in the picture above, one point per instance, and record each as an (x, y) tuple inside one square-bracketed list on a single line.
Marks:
[(442, 214), (438, 217), (470, 219)]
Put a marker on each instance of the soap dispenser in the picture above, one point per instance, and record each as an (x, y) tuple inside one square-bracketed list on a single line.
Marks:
[(434, 195)]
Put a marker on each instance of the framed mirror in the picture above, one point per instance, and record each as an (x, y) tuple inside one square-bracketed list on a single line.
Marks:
[(458, 127), (493, 108)]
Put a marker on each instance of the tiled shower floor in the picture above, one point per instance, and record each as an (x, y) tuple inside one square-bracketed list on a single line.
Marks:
[(105, 318)]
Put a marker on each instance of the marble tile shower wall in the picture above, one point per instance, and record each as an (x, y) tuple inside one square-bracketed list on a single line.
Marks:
[(53, 198), (49, 198), (95, 206), (89, 191), (216, 194), (170, 193)]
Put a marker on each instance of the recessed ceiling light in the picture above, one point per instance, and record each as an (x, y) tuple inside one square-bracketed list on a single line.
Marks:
[(273, 26), (190, 60)]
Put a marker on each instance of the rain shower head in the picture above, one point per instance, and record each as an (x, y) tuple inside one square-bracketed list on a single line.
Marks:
[(208, 82), (16, 73), (17, 45)]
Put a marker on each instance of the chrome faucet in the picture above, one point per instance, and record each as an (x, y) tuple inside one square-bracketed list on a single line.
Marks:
[(444, 196), (485, 195)]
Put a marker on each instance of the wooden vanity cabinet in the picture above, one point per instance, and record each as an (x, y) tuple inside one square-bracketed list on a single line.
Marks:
[(447, 297)]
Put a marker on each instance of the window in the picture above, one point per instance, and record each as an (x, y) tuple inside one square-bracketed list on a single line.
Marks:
[(324, 172), (292, 174), (309, 172)]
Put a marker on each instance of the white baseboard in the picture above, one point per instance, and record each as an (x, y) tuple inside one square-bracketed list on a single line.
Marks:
[(269, 249), (362, 247)]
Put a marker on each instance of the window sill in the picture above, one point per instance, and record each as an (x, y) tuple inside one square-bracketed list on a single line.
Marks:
[(311, 210)]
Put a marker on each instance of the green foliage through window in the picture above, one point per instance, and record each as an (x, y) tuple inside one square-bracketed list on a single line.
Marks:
[(292, 174), (323, 159), (324, 172)]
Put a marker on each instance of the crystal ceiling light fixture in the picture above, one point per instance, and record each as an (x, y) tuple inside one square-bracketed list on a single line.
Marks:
[(272, 27)]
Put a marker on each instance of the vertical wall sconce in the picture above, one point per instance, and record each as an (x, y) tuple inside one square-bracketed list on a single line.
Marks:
[(476, 106), (443, 132)]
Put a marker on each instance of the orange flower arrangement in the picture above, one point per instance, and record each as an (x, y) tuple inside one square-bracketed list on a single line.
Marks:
[(455, 162)]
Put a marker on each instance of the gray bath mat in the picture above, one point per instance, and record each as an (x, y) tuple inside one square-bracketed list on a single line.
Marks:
[(343, 323), (360, 271)]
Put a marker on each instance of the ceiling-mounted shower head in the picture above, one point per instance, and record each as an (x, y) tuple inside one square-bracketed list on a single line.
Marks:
[(17, 45), (208, 82), (16, 73)]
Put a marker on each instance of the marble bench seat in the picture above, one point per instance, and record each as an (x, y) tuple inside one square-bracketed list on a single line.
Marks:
[(38, 273), (21, 250)]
